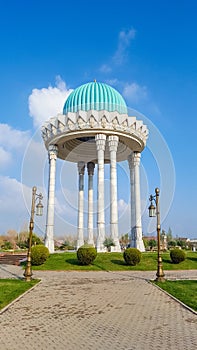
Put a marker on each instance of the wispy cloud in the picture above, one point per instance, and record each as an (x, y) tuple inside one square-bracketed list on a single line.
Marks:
[(47, 102), (124, 40), (134, 93), (113, 81), (105, 68), (118, 58)]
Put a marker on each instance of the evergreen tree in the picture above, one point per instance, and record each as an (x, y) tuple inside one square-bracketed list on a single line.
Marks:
[(169, 235)]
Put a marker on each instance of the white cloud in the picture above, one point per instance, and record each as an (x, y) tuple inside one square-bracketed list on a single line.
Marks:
[(34, 162), (124, 40), (134, 93), (18, 147), (12, 144), (48, 102), (13, 208), (5, 158), (12, 138), (122, 206)]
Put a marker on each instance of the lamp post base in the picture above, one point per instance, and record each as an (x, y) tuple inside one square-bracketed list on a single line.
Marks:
[(160, 279), (28, 275), (160, 274), (28, 270)]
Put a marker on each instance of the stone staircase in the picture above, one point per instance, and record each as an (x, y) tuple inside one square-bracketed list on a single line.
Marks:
[(12, 259)]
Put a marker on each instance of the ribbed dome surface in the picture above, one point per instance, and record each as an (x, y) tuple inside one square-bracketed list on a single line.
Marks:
[(95, 96)]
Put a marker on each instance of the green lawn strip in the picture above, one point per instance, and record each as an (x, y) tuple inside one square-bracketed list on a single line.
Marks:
[(115, 262), (185, 291), (11, 289)]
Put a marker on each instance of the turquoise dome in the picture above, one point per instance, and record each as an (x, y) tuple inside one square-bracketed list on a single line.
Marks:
[(95, 96)]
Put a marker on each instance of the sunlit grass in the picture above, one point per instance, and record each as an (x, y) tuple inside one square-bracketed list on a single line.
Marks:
[(185, 291), (10, 289), (115, 262)]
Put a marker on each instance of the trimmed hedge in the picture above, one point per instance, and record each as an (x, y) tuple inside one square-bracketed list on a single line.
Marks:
[(132, 256), (86, 254), (39, 254), (177, 255)]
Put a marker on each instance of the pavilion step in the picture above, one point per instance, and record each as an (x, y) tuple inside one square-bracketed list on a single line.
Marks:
[(12, 259)]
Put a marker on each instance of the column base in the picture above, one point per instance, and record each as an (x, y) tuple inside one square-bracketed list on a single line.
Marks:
[(100, 248), (80, 242), (116, 248), (49, 243), (138, 244), (91, 242), (101, 237), (136, 239)]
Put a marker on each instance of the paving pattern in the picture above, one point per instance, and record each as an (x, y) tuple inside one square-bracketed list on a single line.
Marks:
[(96, 310)]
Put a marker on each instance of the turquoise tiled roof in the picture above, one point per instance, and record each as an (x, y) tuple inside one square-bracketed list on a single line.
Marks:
[(95, 96)]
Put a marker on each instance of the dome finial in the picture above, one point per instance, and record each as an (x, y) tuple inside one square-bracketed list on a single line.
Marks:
[(95, 80)]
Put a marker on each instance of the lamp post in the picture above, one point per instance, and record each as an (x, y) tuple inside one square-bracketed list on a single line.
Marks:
[(39, 211), (156, 212)]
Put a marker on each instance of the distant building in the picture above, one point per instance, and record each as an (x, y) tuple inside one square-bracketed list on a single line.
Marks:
[(193, 243), (148, 238)]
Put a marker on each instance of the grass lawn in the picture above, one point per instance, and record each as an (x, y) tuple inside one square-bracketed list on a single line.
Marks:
[(10, 289), (185, 291), (115, 262)]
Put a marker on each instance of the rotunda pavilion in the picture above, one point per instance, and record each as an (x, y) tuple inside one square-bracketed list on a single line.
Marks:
[(95, 130)]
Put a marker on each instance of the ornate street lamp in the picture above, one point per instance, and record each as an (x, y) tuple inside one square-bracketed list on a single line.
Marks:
[(39, 211), (156, 212)]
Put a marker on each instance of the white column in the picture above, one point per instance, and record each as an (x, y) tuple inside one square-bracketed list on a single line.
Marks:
[(113, 146), (136, 224), (80, 238), (132, 193), (90, 167), (49, 240), (100, 145)]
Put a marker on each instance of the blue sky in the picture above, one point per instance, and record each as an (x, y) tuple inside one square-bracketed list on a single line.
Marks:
[(147, 50)]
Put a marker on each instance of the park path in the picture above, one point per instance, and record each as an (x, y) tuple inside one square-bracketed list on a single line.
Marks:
[(97, 311)]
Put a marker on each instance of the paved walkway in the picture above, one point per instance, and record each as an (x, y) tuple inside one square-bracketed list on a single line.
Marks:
[(96, 311)]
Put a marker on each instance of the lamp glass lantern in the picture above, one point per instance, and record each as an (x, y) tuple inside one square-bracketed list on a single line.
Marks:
[(39, 208), (152, 210)]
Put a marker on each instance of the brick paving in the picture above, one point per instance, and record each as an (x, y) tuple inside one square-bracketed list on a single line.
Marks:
[(97, 310)]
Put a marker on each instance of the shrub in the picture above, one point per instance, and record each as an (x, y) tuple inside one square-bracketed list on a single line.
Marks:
[(70, 247), (39, 254), (7, 245), (86, 254), (177, 255), (132, 256)]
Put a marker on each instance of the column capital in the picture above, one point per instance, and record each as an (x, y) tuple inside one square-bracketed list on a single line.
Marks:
[(90, 167), (134, 159), (53, 151), (81, 167), (113, 142), (100, 142)]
